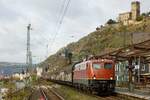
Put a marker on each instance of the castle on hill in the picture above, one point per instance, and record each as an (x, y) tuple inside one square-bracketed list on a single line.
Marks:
[(132, 16)]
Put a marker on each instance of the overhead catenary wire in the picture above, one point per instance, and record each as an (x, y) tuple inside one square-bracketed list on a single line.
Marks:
[(41, 35), (62, 13), (58, 17), (60, 22), (63, 10)]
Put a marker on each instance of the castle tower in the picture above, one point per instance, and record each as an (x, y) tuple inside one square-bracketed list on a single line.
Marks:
[(135, 10)]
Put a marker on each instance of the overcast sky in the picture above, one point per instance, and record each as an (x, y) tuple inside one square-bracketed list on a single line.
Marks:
[(82, 17)]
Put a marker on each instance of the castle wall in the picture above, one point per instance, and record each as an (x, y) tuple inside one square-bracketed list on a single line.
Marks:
[(125, 16), (130, 17), (135, 10)]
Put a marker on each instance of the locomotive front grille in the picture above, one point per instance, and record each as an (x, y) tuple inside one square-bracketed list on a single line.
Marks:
[(102, 84)]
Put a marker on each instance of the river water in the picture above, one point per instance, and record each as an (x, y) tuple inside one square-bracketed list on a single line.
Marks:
[(9, 70)]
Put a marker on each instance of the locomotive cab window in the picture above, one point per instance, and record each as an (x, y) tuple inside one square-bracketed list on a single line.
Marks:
[(97, 66), (107, 65)]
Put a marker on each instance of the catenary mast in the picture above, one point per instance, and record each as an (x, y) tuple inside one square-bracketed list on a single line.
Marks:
[(29, 53)]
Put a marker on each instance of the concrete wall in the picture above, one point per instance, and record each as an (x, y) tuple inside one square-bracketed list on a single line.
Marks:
[(140, 37)]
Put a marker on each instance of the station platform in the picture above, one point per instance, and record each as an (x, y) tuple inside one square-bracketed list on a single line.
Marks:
[(142, 94)]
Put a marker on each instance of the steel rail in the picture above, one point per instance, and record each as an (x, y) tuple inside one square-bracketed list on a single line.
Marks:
[(43, 93), (55, 93)]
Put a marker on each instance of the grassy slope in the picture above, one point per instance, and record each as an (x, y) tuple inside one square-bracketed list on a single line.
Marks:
[(73, 94), (110, 37), (19, 95)]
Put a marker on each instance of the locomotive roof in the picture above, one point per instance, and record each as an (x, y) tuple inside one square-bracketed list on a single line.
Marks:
[(68, 68), (95, 60)]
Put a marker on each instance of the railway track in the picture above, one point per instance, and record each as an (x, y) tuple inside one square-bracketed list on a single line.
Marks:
[(38, 94), (52, 95), (115, 96), (44, 93)]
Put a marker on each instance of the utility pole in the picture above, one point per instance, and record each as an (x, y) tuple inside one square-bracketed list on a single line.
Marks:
[(29, 53)]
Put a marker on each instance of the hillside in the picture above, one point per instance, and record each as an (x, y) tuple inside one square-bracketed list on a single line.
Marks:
[(107, 38)]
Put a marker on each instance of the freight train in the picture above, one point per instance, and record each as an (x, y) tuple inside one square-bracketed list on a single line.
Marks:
[(96, 75)]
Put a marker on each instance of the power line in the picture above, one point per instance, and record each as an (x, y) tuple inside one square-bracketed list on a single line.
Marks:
[(61, 21), (63, 10), (62, 13), (40, 41), (41, 35), (59, 17), (60, 10)]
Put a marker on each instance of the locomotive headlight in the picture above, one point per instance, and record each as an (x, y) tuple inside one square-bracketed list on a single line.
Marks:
[(94, 77), (111, 78)]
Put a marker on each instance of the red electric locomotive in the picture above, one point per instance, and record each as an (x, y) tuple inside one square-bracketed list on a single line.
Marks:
[(95, 75)]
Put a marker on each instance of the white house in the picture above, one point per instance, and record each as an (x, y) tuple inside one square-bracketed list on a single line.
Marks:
[(39, 71)]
